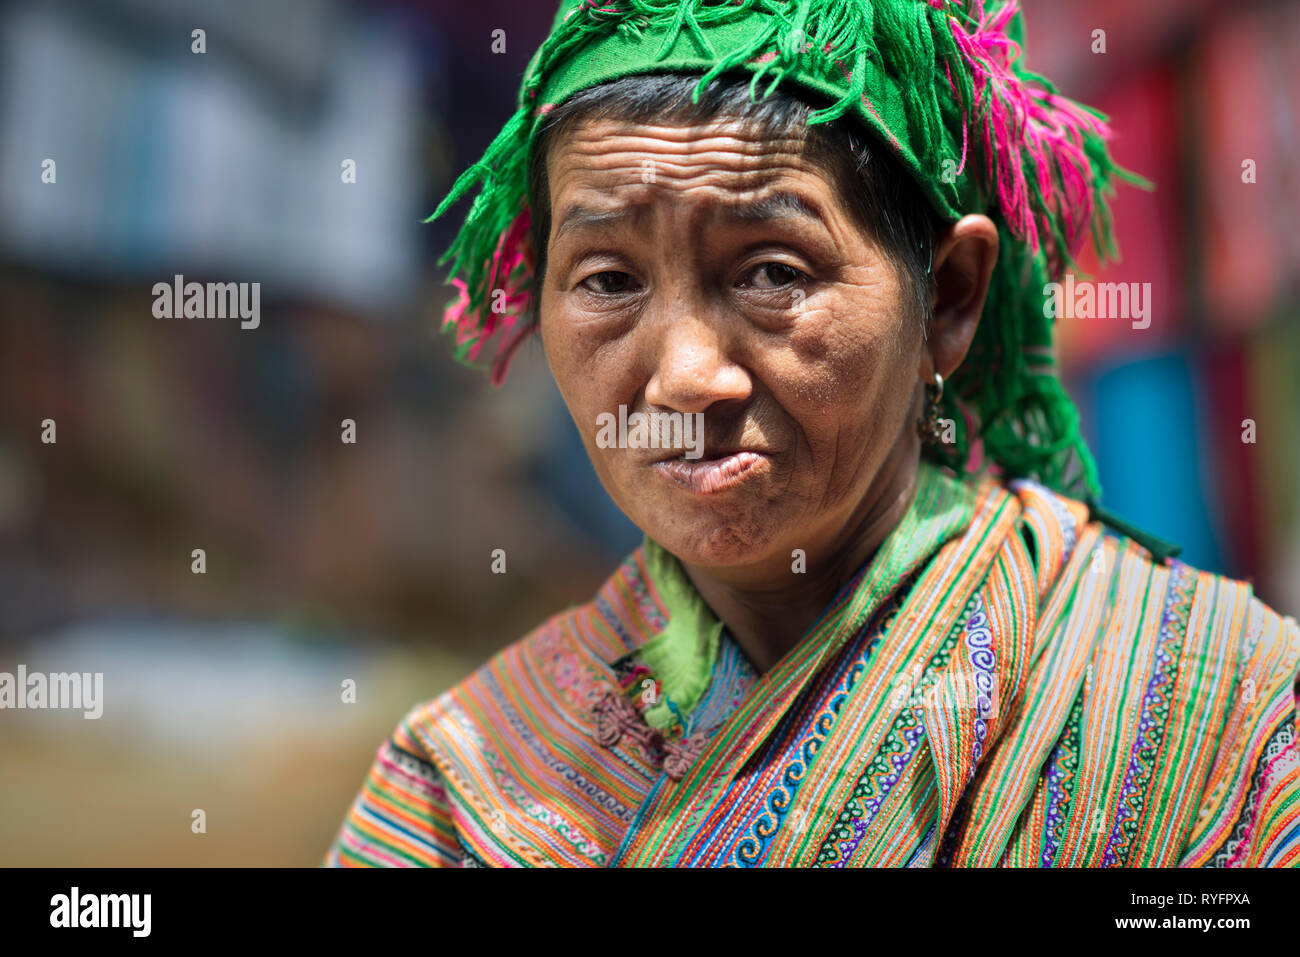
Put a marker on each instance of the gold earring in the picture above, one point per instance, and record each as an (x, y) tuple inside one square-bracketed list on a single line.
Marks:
[(930, 426)]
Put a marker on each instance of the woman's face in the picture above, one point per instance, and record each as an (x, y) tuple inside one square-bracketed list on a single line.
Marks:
[(709, 270)]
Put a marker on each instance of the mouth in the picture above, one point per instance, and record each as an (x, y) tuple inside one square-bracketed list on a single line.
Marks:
[(719, 472)]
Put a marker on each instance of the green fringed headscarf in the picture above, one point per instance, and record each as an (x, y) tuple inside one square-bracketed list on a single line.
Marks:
[(941, 82)]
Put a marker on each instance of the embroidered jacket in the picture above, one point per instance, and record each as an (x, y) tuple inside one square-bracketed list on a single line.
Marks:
[(1004, 683)]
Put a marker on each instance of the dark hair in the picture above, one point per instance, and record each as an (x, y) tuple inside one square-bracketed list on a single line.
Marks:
[(880, 196)]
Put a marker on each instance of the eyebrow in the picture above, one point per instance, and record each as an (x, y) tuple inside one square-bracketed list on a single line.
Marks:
[(781, 205)]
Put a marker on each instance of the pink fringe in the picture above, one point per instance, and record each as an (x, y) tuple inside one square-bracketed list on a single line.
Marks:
[(1022, 123), (509, 272)]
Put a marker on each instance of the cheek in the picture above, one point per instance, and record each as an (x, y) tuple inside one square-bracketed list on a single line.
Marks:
[(575, 344), (588, 377), (850, 367), (566, 352)]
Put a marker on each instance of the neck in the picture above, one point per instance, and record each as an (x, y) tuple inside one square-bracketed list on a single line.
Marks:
[(767, 608)]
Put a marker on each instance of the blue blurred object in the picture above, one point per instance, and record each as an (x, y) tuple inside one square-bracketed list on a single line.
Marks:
[(1144, 428)]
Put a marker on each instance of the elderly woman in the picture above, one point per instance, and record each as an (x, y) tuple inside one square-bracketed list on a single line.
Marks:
[(878, 617)]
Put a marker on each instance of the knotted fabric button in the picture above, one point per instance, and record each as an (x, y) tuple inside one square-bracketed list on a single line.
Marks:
[(616, 717), (680, 755)]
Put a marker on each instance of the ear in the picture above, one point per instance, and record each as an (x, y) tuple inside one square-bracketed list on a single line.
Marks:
[(964, 256)]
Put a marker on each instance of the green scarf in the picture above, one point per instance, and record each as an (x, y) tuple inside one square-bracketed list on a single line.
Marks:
[(941, 82)]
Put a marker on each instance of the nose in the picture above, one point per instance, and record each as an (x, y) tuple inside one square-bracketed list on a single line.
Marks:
[(694, 369)]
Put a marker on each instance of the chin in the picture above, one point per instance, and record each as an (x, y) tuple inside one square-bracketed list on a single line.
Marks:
[(719, 543), (738, 528)]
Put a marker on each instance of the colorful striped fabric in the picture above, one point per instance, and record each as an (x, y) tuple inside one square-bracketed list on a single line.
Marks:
[(1004, 684)]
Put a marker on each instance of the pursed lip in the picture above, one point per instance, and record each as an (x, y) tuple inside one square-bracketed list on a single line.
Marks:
[(715, 472), (709, 455)]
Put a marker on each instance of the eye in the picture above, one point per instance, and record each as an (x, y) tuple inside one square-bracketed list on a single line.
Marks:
[(775, 275), (608, 283)]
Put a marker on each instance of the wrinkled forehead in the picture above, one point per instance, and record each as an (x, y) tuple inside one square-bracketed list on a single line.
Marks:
[(611, 163)]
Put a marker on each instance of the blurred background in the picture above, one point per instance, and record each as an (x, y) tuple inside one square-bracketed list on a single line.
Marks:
[(370, 561)]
